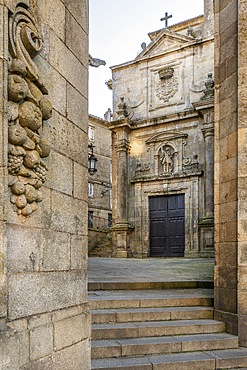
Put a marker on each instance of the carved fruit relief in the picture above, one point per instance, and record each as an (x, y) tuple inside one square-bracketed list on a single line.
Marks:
[(28, 108)]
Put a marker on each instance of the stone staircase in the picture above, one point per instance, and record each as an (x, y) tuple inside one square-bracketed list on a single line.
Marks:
[(139, 326), (103, 247)]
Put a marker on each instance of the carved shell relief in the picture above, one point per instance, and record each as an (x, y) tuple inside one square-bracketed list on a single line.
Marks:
[(28, 108)]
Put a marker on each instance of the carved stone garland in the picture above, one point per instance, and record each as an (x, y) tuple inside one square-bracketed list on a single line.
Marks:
[(27, 108)]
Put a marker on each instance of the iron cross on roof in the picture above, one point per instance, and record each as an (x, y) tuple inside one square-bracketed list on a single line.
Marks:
[(166, 17)]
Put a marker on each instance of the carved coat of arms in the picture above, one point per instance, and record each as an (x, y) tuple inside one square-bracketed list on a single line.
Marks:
[(167, 85)]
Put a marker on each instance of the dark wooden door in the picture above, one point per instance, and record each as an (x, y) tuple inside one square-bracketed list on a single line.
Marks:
[(167, 226)]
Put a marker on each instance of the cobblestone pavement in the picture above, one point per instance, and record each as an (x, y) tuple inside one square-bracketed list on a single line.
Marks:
[(150, 269)]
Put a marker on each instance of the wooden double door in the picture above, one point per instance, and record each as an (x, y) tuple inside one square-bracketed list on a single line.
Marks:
[(167, 233)]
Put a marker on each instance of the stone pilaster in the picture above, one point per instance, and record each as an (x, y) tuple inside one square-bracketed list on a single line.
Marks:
[(121, 148), (227, 159), (208, 18), (208, 134), (206, 224)]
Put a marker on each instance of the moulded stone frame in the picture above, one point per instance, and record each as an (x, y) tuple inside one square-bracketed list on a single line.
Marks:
[(188, 187)]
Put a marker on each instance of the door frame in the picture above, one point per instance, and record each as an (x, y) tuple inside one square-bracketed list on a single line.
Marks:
[(192, 188)]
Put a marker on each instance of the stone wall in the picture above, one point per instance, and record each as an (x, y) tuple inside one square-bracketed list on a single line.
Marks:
[(99, 202), (230, 166), (45, 322)]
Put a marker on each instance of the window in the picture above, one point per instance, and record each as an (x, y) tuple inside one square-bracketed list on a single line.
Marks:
[(110, 172), (109, 220), (90, 189), (110, 199), (90, 133), (90, 218)]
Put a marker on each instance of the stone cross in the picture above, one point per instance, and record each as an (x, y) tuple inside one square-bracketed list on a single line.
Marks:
[(166, 17)]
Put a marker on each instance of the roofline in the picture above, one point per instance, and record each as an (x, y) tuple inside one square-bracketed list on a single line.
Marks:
[(145, 58), (96, 119), (188, 20), (180, 25)]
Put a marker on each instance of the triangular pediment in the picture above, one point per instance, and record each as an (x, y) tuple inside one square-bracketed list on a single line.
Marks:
[(163, 41), (166, 136)]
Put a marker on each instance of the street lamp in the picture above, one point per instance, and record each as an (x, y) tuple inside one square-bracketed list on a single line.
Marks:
[(92, 161)]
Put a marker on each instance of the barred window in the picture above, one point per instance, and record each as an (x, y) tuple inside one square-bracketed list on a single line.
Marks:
[(90, 189), (90, 133)]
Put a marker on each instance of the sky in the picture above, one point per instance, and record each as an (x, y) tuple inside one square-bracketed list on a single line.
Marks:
[(117, 28)]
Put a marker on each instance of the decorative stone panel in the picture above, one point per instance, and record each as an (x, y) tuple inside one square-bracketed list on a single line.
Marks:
[(28, 108)]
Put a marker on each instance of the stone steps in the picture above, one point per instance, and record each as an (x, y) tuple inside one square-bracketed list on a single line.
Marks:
[(149, 298), (156, 328), (101, 252), (160, 329), (160, 345), (204, 360), (104, 249), (150, 285), (150, 314)]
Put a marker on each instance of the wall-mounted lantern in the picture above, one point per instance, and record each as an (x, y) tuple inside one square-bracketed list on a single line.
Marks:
[(92, 161)]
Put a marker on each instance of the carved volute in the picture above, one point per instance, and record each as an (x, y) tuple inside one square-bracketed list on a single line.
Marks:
[(28, 108)]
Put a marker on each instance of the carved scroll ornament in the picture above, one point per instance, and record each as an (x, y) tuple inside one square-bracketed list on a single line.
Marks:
[(27, 109)]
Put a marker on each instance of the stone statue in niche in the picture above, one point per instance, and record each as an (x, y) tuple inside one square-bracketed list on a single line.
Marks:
[(167, 158), (209, 88), (28, 108)]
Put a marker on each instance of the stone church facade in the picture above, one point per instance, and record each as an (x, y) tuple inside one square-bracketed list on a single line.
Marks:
[(163, 133)]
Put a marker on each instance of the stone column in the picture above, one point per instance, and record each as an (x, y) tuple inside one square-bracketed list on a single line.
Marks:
[(121, 147)]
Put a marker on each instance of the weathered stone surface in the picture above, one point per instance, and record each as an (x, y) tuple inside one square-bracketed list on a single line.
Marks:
[(53, 14), (41, 342), (9, 350), (80, 175), (23, 249), (64, 61), (77, 108), (30, 294), (79, 12), (55, 251), (79, 251), (72, 358), (60, 173), (76, 39), (67, 138), (71, 330), (56, 85), (68, 214), (24, 344)]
